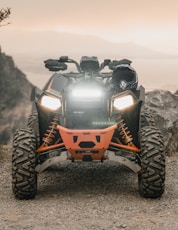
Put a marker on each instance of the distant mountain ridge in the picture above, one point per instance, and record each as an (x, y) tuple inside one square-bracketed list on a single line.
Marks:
[(30, 48), (63, 43)]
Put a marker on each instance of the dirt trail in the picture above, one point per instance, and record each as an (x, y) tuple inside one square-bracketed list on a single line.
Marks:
[(88, 196)]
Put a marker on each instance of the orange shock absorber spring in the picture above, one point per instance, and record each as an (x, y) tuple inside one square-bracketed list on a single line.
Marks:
[(123, 131), (50, 132)]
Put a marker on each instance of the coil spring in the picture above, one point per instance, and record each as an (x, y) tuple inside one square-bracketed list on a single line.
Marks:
[(51, 131), (123, 131)]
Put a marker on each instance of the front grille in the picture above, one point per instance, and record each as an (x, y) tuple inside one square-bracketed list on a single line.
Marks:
[(87, 119), (86, 114)]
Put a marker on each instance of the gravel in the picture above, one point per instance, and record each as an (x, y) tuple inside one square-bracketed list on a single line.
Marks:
[(79, 196)]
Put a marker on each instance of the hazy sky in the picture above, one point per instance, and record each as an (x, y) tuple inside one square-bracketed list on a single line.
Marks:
[(149, 23), (153, 23)]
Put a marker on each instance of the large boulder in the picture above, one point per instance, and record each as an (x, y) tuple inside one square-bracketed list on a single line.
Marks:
[(164, 106)]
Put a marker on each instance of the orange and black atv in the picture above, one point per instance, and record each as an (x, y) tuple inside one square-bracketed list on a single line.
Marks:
[(94, 112)]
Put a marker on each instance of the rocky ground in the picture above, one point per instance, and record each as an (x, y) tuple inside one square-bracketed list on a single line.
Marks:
[(102, 196)]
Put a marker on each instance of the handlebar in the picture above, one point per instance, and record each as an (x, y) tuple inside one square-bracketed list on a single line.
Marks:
[(87, 64)]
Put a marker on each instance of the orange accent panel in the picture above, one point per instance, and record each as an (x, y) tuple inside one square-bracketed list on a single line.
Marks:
[(99, 147)]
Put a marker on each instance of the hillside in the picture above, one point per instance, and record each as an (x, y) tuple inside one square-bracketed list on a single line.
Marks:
[(15, 92)]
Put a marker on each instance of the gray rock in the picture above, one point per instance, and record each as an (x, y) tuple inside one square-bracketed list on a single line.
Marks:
[(164, 105)]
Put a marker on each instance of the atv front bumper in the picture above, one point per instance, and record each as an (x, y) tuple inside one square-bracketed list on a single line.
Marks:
[(87, 144)]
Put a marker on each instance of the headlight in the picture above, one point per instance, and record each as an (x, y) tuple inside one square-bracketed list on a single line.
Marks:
[(49, 102), (123, 102), (86, 93)]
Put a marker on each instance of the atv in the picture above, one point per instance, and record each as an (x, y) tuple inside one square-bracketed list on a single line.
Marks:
[(94, 112)]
